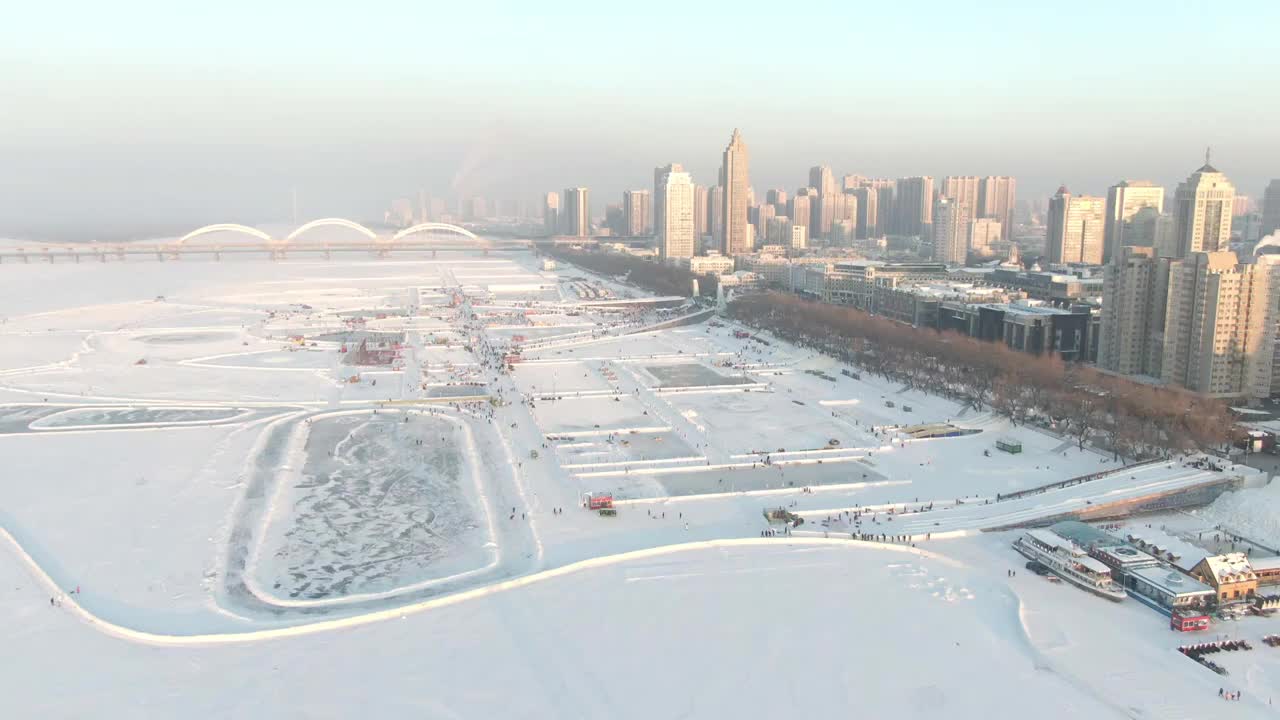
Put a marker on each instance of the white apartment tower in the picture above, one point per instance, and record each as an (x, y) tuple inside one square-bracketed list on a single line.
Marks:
[(658, 174), (1219, 331), (951, 231), (677, 238), (1203, 214), (1075, 228), (997, 197)]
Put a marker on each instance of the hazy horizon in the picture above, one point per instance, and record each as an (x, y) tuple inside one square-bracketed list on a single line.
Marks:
[(155, 116)]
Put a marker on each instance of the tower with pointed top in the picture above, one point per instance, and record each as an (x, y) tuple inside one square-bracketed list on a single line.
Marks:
[(1204, 205), (735, 180)]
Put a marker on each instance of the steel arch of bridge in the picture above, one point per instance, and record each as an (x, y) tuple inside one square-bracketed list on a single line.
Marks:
[(424, 227), (337, 222), (225, 227)]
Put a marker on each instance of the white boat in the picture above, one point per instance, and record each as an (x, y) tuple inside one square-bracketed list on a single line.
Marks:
[(1069, 562)]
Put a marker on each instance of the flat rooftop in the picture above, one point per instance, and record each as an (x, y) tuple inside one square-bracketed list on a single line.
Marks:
[(1171, 580)]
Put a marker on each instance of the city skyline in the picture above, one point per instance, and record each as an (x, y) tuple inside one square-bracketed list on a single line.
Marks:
[(125, 122)]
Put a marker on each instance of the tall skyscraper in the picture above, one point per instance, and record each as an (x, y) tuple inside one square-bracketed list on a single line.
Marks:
[(577, 212), (1271, 208), (636, 211), (1165, 236), (551, 213), (800, 209), (867, 202), (885, 190), (824, 181), (737, 239), (615, 223), (1203, 213), (1135, 289), (764, 213), (914, 205), (658, 174), (715, 214), (778, 199), (1132, 208), (701, 217), (951, 230), (1075, 228), (963, 188), (997, 197), (677, 237), (1219, 331)]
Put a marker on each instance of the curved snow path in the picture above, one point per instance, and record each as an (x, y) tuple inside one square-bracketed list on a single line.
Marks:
[(170, 640)]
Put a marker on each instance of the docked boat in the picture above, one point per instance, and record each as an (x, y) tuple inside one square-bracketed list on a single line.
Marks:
[(1069, 562)]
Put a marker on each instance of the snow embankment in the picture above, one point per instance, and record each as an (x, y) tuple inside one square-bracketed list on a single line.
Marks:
[(1253, 512)]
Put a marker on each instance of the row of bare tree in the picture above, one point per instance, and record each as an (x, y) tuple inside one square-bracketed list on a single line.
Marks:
[(1130, 419), (650, 275)]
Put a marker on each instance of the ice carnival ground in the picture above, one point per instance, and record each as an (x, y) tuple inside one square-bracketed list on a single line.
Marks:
[(234, 518)]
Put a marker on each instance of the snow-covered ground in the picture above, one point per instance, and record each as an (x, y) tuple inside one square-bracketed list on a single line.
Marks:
[(231, 522)]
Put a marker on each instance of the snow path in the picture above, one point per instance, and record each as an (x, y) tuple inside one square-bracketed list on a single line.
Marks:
[(123, 632)]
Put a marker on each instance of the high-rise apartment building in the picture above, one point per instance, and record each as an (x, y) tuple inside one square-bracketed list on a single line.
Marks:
[(1271, 208), (1132, 209), (715, 215), (800, 209), (677, 237), (551, 213), (778, 230), (951, 220), (997, 197), (577, 212), (1135, 289), (763, 214), (1242, 205), (914, 203), (962, 188), (1075, 228), (866, 217), (845, 206), (615, 223), (983, 234), (658, 174), (701, 217), (824, 181), (1203, 213), (885, 190), (736, 181), (849, 182), (778, 199), (1219, 331), (798, 238), (636, 211)]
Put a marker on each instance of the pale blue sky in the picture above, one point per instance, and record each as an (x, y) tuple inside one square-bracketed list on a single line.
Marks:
[(161, 112)]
